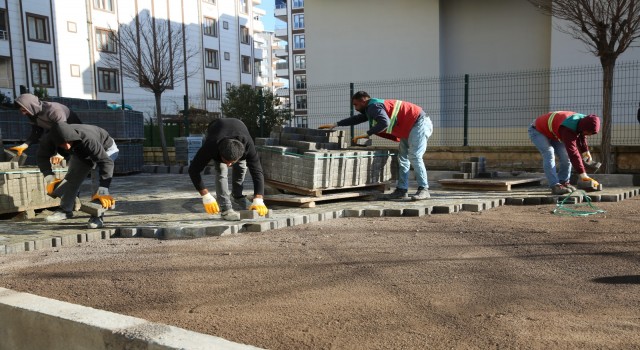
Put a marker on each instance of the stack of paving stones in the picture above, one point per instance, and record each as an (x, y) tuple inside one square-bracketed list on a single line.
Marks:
[(186, 148), (475, 167), (23, 188), (318, 159)]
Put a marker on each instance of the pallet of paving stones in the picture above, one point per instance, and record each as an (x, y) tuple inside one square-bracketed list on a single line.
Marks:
[(310, 201), (22, 189), (320, 192)]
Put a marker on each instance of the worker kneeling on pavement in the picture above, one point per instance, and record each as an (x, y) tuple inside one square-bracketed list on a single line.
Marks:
[(399, 121), (229, 144), (90, 146), (564, 133)]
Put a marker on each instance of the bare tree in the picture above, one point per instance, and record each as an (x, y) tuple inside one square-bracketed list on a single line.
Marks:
[(153, 53), (607, 28)]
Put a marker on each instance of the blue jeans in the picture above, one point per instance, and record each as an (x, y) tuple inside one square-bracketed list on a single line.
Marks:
[(410, 152), (548, 148)]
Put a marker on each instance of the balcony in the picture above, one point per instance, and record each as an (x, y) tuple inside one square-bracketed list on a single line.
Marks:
[(259, 53), (281, 33), (281, 53), (280, 11), (284, 92), (282, 73)]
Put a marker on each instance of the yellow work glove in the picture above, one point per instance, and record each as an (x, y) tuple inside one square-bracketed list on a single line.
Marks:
[(104, 198), (585, 177), (57, 159), (210, 204), (355, 139), (586, 156), (19, 149), (52, 183), (327, 126), (258, 205)]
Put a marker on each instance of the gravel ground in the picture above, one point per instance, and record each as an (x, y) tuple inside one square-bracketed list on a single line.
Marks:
[(510, 277)]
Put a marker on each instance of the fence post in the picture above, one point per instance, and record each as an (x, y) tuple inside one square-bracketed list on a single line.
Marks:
[(187, 132), (466, 110), (261, 111), (351, 113)]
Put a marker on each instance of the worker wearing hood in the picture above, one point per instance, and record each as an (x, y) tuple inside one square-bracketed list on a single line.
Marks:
[(90, 146), (42, 117), (564, 134)]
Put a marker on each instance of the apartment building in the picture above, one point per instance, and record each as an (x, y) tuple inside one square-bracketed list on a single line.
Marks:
[(60, 45), (292, 59)]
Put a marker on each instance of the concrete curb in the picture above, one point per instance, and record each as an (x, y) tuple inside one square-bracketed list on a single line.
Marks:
[(32, 322)]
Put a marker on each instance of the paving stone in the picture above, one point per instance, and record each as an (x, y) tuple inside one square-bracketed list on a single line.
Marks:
[(305, 219), (258, 226), (69, 240), (150, 232), (515, 201), (128, 232), (548, 200), (373, 213), (14, 248), (44, 243), (221, 230), (443, 209), (413, 212), (312, 218), (93, 236), (338, 213), (352, 213), (295, 220), (280, 223), (81, 238), (428, 210), (56, 242), (610, 198), (393, 212), (29, 246), (3, 249), (475, 207), (249, 215), (172, 232), (107, 234), (532, 201), (194, 232), (594, 197)]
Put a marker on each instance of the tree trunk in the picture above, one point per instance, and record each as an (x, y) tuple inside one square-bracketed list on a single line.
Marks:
[(163, 140), (608, 67)]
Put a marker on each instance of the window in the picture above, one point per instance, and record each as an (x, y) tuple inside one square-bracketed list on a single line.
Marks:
[(298, 21), (257, 67), (246, 64), (6, 72), (4, 34), (72, 27), (225, 24), (108, 80), (210, 26), (298, 4), (228, 86), (298, 41), (301, 101), (301, 81), (75, 70), (213, 90), (105, 41), (226, 56), (300, 62), (244, 35), (106, 5), (211, 58), (41, 73), (244, 6), (38, 28)]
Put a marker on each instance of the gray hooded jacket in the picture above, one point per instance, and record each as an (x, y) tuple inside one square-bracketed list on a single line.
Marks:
[(44, 115)]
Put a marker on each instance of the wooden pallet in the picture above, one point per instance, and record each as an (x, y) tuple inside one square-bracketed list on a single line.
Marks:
[(319, 192), (489, 184), (310, 202)]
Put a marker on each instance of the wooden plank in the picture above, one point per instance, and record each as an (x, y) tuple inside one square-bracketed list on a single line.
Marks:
[(310, 202), (293, 188), (488, 184), (318, 192)]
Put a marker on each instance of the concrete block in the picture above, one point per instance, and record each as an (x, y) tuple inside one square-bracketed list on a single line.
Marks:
[(312, 218), (443, 209), (269, 214), (350, 213), (194, 232), (413, 212), (172, 232), (474, 207), (93, 209), (547, 200), (295, 220), (249, 215), (107, 234), (93, 236), (150, 232), (14, 248), (610, 198), (81, 238), (3, 250), (280, 223), (595, 197), (532, 201), (29, 246), (393, 212), (222, 230), (43, 243), (338, 214), (69, 240), (56, 242), (515, 201), (258, 226), (128, 232), (149, 169), (306, 219), (373, 213)]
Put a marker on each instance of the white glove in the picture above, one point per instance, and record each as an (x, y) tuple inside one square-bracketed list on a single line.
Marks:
[(57, 159), (210, 204), (586, 157), (258, 205)]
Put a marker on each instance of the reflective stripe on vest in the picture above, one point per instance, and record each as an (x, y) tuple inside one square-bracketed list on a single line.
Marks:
[(550, 125), (394, 116)]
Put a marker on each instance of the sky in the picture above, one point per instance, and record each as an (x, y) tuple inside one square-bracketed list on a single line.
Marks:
[(268, 19)]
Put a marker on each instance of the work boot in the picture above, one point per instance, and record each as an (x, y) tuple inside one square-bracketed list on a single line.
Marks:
[(240, 203), (569, 186), (397, 194), (421, 194), (560, 189), (59, 215), (230, 215), (95, 222)]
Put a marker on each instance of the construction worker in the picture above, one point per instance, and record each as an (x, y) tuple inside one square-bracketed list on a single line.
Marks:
[(90, 147), (402, 122), (564, 133), (229, 144), (42, 116)]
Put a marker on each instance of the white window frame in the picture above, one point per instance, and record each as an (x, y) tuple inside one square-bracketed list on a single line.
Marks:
[(245, 61), (42, 65), (212, 90), (210, 26), (298, 42), (104, 5), (299, 104), (38, 28), (302, 84), (112, 79), (244, 35), (211, 59), (298, 21), (105, 41), (300, 62)]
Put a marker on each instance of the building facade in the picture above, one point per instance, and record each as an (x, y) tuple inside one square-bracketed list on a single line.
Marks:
[(292, 63), (59, 45)]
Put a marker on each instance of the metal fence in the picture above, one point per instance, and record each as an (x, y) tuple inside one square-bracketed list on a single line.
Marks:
[(492, 109)]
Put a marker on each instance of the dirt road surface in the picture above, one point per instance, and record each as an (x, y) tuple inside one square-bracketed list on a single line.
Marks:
[(511, 277)]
